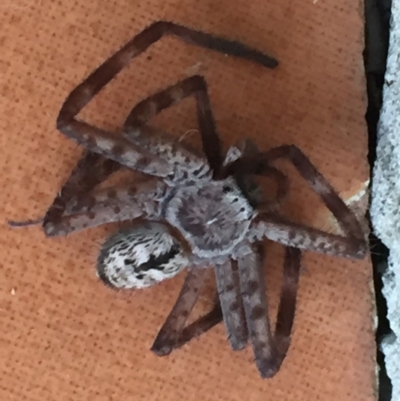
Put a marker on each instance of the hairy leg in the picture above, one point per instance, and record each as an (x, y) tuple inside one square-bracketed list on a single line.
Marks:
[(172, 329), (93, 168), (120, 149), (249, 149), (287, 303), (252, 285), (166, 146), (231, 304), (227, 280), (286, 232), (269, 350), (285, 316), (201, 325), (353, 244), (90, 170), (108, 205)]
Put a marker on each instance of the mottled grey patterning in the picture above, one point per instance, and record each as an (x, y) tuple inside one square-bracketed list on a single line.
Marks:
[(135, 257), (202, 210)]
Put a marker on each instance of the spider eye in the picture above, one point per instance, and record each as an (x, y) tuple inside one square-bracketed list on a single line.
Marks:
[(140, 257), (226, 189)]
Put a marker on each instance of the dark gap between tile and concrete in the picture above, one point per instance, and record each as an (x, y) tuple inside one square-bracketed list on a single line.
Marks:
[(377, 27)]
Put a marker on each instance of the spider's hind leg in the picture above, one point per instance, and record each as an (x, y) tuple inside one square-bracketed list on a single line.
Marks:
[(192, 331), (269, 349), (201, 325), (171, 331), (231, 304)]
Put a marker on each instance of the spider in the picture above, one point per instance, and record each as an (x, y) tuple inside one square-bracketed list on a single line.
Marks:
[(197, 209)]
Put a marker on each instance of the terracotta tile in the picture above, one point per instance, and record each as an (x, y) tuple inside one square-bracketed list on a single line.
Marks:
[(65, 336)]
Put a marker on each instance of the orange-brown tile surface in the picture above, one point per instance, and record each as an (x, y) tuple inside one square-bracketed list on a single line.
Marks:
[(64, 336)]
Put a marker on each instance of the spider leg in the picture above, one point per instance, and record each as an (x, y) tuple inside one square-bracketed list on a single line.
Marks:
[(226, 281), (24, 223), (249, 187), (172, 329), (93, 168), (193, 86), (282, 181), (231, 304), (168, 149), (286, 232), (280, 342), (115, 148), (254, 298), (90, 170), (269, 350), (274, 227), (226, 277), (201, 325), (106, 206), (120, 149), (287, 303), (252, 191)]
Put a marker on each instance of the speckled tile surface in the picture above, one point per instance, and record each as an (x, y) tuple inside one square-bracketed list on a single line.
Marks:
[(64, 335)]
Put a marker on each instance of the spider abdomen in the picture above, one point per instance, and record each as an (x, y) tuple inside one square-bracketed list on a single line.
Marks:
[(140, 257), (213, 216)]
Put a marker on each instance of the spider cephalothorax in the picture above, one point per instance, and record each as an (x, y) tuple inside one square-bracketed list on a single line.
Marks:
[(202, 210), (213, 216)]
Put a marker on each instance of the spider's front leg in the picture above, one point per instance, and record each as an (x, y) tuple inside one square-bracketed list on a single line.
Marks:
[(165, 146), (149, 138), (93, 168), (90, 170), (168, 337), (120, 149), (114, 204)]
